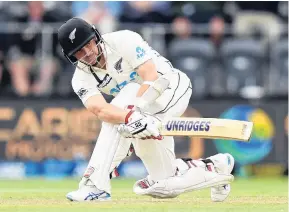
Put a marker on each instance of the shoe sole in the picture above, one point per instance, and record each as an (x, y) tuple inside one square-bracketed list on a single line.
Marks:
[(225, 196), (101, 200)]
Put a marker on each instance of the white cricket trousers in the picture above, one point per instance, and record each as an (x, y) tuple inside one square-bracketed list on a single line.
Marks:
[(157, 156)]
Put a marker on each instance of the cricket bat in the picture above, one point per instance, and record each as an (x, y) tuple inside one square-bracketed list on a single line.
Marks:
[(211, 128)]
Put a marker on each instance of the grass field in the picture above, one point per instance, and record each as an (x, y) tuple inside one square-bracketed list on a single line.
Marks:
[(253, 194)]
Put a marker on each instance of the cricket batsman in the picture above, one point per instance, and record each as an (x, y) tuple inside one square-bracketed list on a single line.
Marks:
[(146, 89)]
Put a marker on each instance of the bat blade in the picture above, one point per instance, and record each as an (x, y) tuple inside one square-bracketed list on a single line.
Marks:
[(211, 128)]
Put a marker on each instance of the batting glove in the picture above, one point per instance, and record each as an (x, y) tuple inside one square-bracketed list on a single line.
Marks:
[(140, 125)]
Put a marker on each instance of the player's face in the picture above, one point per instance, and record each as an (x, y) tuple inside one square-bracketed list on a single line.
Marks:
[(90, 54)]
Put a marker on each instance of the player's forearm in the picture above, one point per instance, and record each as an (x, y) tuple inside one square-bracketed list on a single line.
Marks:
[(111, 114), (142, 89), (105, 111), (148, 73)]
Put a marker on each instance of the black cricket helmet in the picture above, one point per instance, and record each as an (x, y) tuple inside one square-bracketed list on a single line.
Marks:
[(74, 34)]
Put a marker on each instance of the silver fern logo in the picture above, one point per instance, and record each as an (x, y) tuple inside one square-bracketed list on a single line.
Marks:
[(117, 66), (72, 35)]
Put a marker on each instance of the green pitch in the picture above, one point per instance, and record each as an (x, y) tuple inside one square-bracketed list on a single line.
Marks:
[(262, 194)]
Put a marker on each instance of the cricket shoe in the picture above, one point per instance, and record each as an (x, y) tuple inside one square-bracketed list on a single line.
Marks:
[(88, 192), (223, 163)]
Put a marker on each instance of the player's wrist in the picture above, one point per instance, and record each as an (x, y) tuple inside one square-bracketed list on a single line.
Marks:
[(140, 102)]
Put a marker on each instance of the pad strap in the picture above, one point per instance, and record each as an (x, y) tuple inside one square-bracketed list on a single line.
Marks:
[(127, 116), (209, 164)]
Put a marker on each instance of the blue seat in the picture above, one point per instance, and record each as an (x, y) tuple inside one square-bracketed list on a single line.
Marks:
[(278, 73), (243, 63), (194, 57)]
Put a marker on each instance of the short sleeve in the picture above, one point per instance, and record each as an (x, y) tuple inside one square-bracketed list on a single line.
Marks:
[(84, 85), (135, 49)]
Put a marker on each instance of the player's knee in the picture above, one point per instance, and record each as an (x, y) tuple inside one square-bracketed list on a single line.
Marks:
[(145, 148), (141, 149)]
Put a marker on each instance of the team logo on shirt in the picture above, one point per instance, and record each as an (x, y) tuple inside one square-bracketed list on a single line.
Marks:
[(117, 66), (81, 92), (140, 52)]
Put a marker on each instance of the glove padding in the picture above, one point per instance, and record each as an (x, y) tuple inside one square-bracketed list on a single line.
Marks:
[(140, 125)]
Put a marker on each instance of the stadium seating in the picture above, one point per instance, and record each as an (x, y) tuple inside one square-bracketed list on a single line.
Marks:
[(278, 74), (194, 57), (242, 61)]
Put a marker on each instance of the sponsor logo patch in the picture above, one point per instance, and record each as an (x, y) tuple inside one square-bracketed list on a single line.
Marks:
[(81, 92), (105, 81), (140, 52), (89, 172)]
